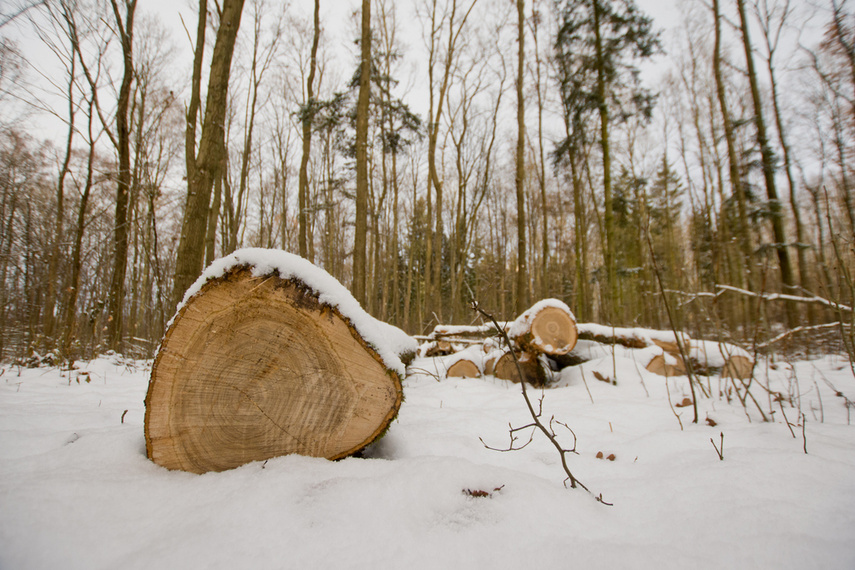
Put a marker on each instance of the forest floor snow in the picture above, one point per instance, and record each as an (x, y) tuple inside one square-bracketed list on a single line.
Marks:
[(77, 491)]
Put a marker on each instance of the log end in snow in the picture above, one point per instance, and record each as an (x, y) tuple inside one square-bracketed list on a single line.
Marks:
[(256, 366), (548, 327), (463, 368), (739, 367), (667, 365), (532, 371)]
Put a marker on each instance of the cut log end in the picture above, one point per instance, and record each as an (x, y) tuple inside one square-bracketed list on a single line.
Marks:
[(533, 373), (739, 367), (552, 331), (257, 367), (463, 368), (659, 365)]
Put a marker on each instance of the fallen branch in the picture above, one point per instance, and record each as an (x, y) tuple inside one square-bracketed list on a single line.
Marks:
[(536, 424), (797, 330), (784, 297)]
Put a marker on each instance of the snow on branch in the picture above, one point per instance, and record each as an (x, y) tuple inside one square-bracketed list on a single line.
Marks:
[(721, 289)]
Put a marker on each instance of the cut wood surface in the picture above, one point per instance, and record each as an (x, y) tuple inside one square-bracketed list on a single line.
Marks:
[(256, 367), (739, 367), (548, 327), (662, 365), (506, 369), (463, 368)]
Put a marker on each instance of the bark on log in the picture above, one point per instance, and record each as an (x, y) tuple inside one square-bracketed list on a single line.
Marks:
[(256, 367)]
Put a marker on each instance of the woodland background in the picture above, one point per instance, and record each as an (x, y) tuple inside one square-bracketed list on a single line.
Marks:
[(495, 150)]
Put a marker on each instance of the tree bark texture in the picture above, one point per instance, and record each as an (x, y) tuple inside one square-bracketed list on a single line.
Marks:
[(120, 233), (360, 242), (191, 248)]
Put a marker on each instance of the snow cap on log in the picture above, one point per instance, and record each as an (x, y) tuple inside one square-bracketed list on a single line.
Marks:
[(389, 341), (548, 327)]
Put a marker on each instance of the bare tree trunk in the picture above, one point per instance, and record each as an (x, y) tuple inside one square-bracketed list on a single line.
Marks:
[(771, 47), (608, 216), (308, 113), (191, 248), (733, 159), (522, 298), (70, 316), (53, 267), (544, 292), (768, 158), (360, 243), (120, 234)]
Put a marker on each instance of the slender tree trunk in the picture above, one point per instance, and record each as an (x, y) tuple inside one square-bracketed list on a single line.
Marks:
[(768, 158), (522, 298), (191, 248), (53, 267), (801, 255), (544, 292), (307, 118), (120, 233), (608, 216), (70, 316), (583, 296), (732, 156), (360, 243)]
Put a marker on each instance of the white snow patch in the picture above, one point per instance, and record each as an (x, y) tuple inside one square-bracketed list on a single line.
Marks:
[(77, 492)]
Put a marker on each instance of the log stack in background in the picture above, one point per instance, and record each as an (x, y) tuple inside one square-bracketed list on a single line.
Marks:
[(544, 340)]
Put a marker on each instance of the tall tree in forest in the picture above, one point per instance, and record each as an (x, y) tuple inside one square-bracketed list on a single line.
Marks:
[(360, 241), (440, 71), (735, 169), (263, 55), (306, 116), (115, 308), (68, 58), (773, 17), (767, 156), (206, 163), (606, 38), (121, 140), (522, 297)]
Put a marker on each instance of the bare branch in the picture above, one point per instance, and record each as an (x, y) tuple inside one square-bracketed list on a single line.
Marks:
[(549, 432)]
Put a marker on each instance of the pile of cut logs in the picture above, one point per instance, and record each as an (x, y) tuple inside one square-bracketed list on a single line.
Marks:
[(547, 338)]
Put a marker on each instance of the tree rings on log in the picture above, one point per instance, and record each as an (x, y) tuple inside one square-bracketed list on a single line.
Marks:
[(463, 368), (546, 329), (533, 373), (256, 367)]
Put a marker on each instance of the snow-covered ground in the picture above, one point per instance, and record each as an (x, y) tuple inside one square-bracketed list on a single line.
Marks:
[(76, 490)]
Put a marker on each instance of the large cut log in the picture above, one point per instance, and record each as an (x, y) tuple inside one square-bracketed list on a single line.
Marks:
[(260, 362), (548, 327)]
